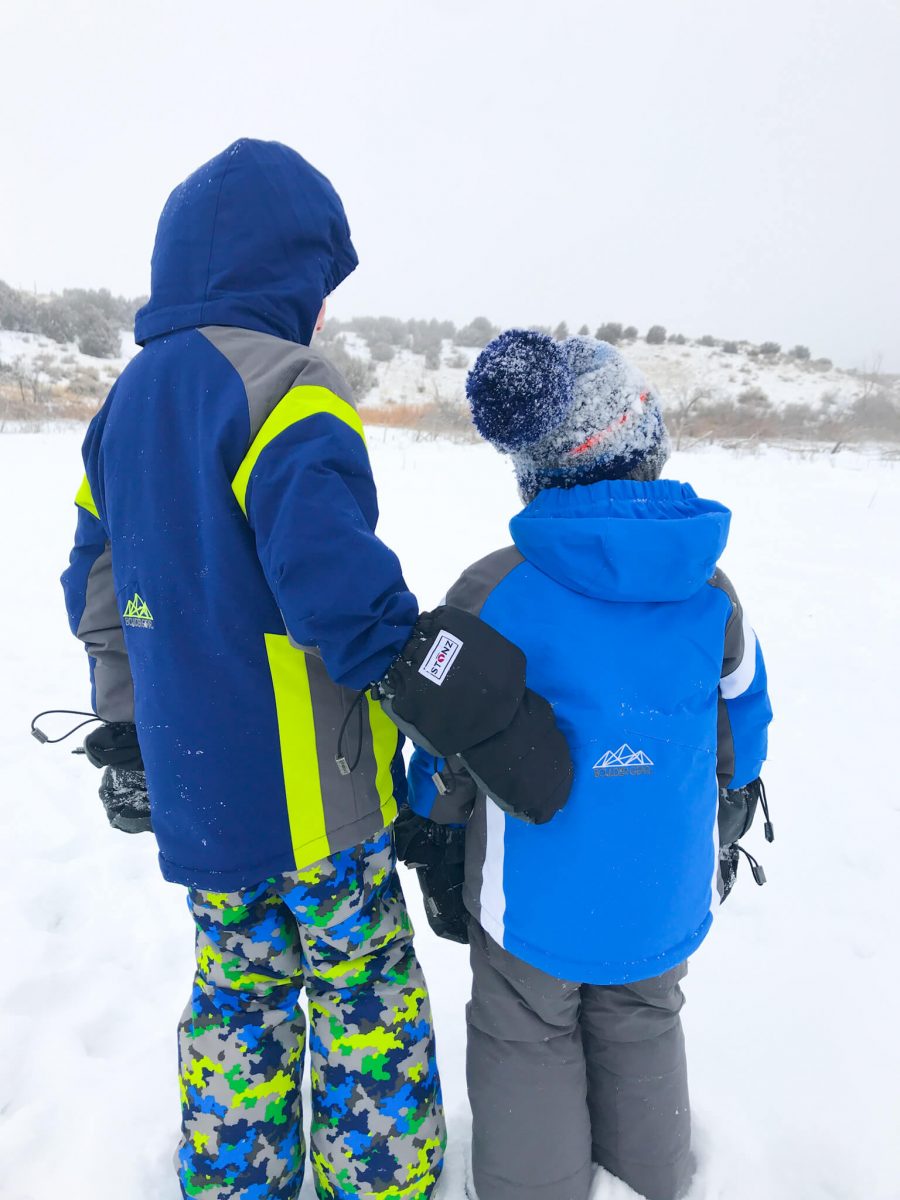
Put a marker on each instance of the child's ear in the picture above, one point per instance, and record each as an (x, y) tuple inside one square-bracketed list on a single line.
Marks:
[(320, 319)]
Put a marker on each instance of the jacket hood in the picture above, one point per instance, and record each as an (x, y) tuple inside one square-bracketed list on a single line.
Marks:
[(256, 238), (624, 540)]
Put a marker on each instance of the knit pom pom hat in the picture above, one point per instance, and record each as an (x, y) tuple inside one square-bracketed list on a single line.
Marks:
[(567, 412)]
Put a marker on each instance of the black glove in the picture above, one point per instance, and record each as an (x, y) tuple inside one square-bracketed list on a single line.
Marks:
[(125, 798), (437, 852), (123, 788), (729, 857), (458, 688), (737, 808), (114, 744)]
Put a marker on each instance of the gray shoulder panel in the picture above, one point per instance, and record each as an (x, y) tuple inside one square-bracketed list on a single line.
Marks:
[(734, 630), (473, 587), (100, 628), (270, 366)]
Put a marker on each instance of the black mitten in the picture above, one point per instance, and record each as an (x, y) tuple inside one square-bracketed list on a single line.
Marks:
[(458, 688), (123, 787), (437, 852), (125, 798), (114, 744), (737, 808)]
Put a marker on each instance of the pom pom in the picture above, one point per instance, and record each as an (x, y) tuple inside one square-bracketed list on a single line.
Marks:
[(520, 389)]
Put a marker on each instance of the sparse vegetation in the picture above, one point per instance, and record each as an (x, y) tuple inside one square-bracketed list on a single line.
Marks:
[(610, 331), (40, 383)]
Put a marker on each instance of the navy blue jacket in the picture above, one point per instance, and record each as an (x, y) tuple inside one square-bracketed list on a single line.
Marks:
[(226, 577), (640, 643)]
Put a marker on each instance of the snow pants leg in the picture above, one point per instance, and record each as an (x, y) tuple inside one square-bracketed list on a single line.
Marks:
[(527, 1077), (563, 1075), (340, 929), (637, 1083)]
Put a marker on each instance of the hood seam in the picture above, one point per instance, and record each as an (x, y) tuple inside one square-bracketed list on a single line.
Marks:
[(212, 236)]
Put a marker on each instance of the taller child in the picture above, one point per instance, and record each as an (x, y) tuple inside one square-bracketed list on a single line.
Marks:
[(233, 597)]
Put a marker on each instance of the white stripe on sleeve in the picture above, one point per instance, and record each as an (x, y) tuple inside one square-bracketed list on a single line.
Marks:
[(734, 685), (493, 897)]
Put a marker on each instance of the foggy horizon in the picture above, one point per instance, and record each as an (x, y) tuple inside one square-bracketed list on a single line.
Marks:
[(715, 172)]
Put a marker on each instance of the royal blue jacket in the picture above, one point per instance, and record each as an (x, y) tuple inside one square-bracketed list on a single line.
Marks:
[(226, 577), (640, 643)]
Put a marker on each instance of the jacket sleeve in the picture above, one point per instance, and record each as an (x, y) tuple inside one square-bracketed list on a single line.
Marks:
[(307, 490), (744, 707), (450, 807), (94, 614)]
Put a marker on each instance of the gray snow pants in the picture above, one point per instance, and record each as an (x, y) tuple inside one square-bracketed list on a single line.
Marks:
[(563, 1075)]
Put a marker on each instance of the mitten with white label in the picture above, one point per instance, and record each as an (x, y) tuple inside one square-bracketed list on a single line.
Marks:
[(458, 687)]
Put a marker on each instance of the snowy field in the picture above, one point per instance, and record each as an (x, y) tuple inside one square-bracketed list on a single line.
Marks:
[(792, 1001)]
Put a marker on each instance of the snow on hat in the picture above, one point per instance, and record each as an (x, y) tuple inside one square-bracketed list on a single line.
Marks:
[(567, 412)]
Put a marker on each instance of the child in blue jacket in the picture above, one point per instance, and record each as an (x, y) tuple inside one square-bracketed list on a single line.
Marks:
[(580, 929)]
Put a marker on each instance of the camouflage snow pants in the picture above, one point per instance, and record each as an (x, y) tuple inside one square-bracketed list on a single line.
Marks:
[(340, 930)]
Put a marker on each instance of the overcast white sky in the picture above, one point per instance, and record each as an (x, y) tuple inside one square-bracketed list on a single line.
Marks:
[(727, 168)]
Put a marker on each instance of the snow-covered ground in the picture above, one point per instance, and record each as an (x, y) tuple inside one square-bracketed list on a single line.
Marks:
[(791, 1002)]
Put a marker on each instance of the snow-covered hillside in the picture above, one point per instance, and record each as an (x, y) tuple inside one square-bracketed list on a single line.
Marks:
[(789, 1020), (678, 372)]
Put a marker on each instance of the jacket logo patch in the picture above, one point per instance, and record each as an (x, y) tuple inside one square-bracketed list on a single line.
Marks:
[(623, 761), (441, 657), (137, 615)]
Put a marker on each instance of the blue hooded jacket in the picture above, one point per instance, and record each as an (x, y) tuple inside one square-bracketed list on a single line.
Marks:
[(226, 577), (640, 644)]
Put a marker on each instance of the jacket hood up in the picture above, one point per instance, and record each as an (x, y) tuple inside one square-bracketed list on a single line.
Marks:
[(624, 540), (255, 238)]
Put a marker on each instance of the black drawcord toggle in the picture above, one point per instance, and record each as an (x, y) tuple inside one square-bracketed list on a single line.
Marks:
[(54, 712), (768, 828), (343, 766), (759, 874)]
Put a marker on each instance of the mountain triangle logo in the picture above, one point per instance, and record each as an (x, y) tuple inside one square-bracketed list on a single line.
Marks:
[(623, 761), (137, 615)]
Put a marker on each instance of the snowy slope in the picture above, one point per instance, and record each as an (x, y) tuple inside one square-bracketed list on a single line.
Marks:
[(794, 1064), (676, 371)]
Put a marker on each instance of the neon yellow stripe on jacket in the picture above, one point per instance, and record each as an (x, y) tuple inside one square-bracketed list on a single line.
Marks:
[(299, 403), (297, 735), (85, 500), (385, 736)]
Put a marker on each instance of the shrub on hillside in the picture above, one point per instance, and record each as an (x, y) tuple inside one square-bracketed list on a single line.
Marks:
[(730, 347), (561, 332), (656, 335), (629, 333), (360, 375), (753, 397), (707, 340), (769, 349), (477, 333), (610, 331), (800, 353), (677, 339)]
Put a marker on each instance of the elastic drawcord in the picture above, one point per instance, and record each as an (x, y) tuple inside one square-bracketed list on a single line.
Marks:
[(54, 712), (759, 874), (343, 766)]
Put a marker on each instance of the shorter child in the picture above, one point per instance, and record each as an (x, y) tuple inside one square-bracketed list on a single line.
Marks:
[(580, 929)]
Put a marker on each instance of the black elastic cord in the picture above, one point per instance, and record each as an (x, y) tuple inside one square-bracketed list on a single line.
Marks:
[(768, 828), (57, 712), (759, 874), (343, 766)]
